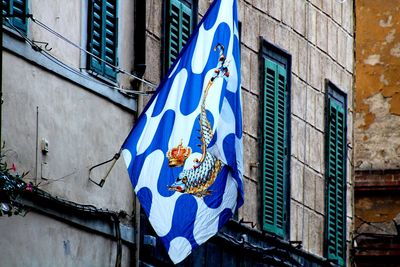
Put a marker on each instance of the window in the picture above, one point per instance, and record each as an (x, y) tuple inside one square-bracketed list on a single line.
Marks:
[(180, 20), (276, 66), (335, 162), (17, 9), (103, 37)]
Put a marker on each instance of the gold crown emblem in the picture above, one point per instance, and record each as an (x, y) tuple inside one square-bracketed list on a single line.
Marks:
[(177, 155)]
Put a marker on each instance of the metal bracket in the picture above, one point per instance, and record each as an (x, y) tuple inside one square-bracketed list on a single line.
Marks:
[(296, 243), (103, 180), (46, 44), (245, 222)]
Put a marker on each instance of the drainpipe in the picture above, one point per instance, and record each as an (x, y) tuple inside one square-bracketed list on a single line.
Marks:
[(139, 70), (1, 90)]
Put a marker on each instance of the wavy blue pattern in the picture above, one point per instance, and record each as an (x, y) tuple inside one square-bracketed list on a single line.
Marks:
[(183, 219), (184, 210)]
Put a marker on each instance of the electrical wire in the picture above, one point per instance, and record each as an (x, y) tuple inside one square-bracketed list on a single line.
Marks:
[(47, 28), (268, 253), (88, 209), (370, 224), (57, 61)]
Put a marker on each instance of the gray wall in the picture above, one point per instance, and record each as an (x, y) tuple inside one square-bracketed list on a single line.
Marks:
[(85, 123)]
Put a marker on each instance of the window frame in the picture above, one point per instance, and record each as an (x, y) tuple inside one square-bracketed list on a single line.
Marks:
[(21, 26), (333, 93), (193, 5), (283, 58), (110, 76)]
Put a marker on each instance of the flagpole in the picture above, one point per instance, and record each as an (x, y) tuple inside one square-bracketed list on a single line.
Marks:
[(137, 227), (137, 203)]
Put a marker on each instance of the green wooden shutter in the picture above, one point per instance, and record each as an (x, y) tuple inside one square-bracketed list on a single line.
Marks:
[(335, 233), (103, 37), (179, 30), (19, 8), (275, 145), (5, 7)]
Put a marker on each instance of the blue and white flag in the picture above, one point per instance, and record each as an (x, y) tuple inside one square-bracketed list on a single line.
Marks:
[(184, 155)]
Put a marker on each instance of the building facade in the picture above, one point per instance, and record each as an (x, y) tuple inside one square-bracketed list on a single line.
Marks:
[(377, 135), (61, 117), (297, 97)]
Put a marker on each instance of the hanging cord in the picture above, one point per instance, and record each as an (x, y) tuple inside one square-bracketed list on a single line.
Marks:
[(103, 180), (118, 237), (47, 28), (372, 225)]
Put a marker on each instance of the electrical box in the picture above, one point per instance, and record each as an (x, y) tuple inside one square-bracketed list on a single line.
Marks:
[(44, 146)]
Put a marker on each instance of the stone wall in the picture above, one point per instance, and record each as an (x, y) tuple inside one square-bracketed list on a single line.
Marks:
[(319, 36)]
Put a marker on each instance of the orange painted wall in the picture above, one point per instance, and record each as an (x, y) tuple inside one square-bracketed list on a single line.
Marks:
[(377, 53), (377, 84)]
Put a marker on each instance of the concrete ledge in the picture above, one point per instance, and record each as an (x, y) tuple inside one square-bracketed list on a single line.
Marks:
[(377, 180), (86, 217)]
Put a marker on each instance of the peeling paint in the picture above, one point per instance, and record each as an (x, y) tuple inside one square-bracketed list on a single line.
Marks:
[(377, 56), (395, 51), (383, 80), (373, 60), (386, 23), (369, 118), (395, 105), (377, 134), (390, 37)]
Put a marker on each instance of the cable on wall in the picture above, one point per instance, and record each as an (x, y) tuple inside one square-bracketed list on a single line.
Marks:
[(47, 28), (59, 62)]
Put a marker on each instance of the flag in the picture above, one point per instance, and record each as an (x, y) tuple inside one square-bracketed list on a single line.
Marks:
[(184, 155)]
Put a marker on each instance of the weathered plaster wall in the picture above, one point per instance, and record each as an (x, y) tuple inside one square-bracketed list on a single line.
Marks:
[(82, 129), (379, 207), (43, 241), (377, 94)]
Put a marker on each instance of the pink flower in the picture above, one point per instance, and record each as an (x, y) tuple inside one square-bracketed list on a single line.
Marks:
[(29, 188), (13, 167)]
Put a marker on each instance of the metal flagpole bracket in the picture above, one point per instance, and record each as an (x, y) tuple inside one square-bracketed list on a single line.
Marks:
[(103, 180)]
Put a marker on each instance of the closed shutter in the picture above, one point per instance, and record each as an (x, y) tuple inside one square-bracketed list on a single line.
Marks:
[(336, 182), (275, 144), (16, 8), (179, 30), (103, 32)]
